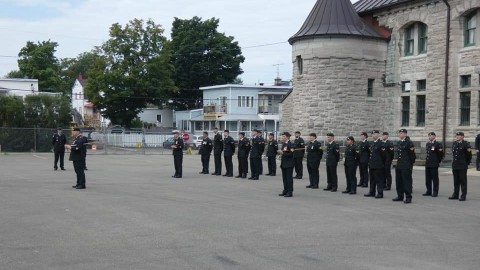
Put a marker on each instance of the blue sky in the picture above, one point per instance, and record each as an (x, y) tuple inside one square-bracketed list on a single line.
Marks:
[(79, 25)]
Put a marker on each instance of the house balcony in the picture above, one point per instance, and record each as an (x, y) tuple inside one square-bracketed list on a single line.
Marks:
[(214, 111), (268, 110)]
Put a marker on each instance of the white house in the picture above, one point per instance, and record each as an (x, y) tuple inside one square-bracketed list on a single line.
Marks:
[(18, 87), (83, 108)]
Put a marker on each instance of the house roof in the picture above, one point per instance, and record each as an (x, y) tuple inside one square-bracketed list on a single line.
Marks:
[(238, 86), (334, 17), (364, 6)]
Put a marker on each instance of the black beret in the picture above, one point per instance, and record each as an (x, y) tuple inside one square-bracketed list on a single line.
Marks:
[(460, 133), (286, 133), (242, 133), (432, 133), (215, 128), (226, 130), (375, 131), (403, 130), (59, 128), (205, 132), (350, 138), (271, 134), (76, 129), (297, 132), (313, 135), (256, 130), (364, 134), (330, 134), (385, 133)]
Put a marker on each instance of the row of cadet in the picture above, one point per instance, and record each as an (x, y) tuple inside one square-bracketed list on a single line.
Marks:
[(374, 159)]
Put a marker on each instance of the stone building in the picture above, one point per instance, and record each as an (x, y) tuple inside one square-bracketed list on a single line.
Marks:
[(386, 64)]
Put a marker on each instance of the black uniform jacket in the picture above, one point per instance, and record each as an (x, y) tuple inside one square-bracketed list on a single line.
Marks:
[(405, 154), (377, 155), (299, 145), (243, 147), (258, 146), (352, 155), (272, 148), (364, 150), (58, 142), (287, 156), (435, 154), (315, 151), (462, 155), (76, 153), (206, 147), (228, 146), (178, 151), (333, 154), (389, 151), (217, 144)]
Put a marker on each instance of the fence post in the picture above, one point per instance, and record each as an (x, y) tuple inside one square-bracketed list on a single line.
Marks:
[(143, 141), (105, 138), (35, 138)]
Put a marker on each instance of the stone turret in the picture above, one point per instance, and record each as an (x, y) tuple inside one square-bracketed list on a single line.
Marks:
[(335, 55)]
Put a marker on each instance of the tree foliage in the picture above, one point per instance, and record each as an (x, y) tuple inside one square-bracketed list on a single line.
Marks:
[(46, 111), (202, 57), (132, 70), (70, 68), (12, 111)]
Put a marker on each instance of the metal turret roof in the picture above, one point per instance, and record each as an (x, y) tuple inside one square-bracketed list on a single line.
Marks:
[(334, 17)]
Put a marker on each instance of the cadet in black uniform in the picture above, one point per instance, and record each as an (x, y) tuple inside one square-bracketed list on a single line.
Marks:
[(435, 155), (228, 151), (477, 148), (76, 155), (287, 165), (205, 152), (298, 155), (314, 155), (376, 166), (177, 151), (403, 171), (272, 149), (217, 151), (258, 146), (332, 158), (352, 157), (364, 150), (58, 141), (462, 156), (389, 153), (262, 150), (243, 150)]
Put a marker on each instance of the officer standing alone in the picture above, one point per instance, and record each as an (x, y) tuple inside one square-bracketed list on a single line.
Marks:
[(462, 156), (272, 149), (287, 165), (76, 155), (177, 151), (58, 141), (205, 152), (435, 155)]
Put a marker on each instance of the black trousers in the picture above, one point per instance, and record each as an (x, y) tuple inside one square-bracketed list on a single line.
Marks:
[(272, 165), (364, 174), (377, 181), (85, 160), (431, 177), (459, 180), (478, 161), (205, 163), (351, 175), (177, 162), (313, 172), (260, 166), (218, 163), (255, 163), (403, 180), (59, 155), (298, 163), (79, 170), (228, 165), (287, 176), (332, 178), (242, 166), (388, 175)]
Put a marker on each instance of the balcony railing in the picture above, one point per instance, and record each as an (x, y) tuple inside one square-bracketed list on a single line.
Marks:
[(214, 110)]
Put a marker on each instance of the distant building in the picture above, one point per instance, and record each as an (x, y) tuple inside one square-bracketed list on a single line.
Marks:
[(236, 108), (383, 65), (162, 118), (18, 87), (84, 111)]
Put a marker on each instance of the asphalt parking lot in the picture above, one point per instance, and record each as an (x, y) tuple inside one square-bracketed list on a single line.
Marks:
[(133, 215)]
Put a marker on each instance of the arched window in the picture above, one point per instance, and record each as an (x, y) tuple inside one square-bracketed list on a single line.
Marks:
[(416, 37), (470, 26)]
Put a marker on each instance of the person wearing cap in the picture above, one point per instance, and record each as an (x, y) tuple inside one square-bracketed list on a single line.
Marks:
[(435, 155), (217, 151), (177, 151), (228, 151), (364, 149), (58, 141), (243, 150), (376, 166), (76, 156), (258, 146), (406, 156), (298, 155), (352, 158), (272, 155), (205, 152), (314, 156), (389, 153), (331, 162), (287, 165), (462, 156)]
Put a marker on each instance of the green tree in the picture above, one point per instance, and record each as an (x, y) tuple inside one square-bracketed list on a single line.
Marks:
[(38, 61), (46, 111), (202, 57), (15, 74), (132, 70), (70, 68), (11, 111)]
